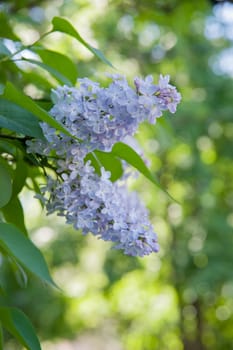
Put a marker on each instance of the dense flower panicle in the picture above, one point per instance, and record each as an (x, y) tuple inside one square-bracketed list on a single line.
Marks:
[(98, 117), (94, 204)]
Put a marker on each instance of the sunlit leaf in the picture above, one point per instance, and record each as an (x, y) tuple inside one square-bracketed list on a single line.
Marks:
[(63, 25), (60, 62), (16, 322), (59, 76), (127, 153), (107, 160)]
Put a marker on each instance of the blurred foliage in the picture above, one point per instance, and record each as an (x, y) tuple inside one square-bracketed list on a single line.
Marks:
[(181, 298)]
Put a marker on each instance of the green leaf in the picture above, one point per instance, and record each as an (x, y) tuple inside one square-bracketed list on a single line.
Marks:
[(62, 25), (2, 291), (59, 76), (37, 79), (1, 337), (110, 163), (3, 49), (34, 174), (19, 272), (94, 162), (15, 118), (13, 213), (58, 61), (6, 28), (126, 153), (20, 175), (5, 185), (18, 97), (107, 160), (45, 104), (8, 146), (16, 322), (24, 251)]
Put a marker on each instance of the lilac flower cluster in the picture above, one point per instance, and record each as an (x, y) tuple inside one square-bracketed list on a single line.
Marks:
[(98, 117), (95, 204)]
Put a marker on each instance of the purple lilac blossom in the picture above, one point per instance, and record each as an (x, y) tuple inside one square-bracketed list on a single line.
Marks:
[(98, 117), (94, 204)]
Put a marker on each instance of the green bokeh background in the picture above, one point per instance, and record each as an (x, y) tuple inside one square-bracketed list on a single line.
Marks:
[(182, 297)]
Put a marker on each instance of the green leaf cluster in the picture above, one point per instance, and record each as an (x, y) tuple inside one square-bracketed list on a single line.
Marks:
[(20, 117)]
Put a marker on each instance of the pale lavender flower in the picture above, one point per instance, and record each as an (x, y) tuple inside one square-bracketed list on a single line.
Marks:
[(99, 117), (157, 98), (94, 204), (167, 94)]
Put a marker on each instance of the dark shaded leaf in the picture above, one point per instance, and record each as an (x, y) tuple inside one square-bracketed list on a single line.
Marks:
[(5, 185), (24, 251), (1, 333), (18, 119), (16, 322), (16, 96), (3, 49), (13, 213), (20, 175)]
